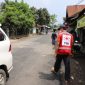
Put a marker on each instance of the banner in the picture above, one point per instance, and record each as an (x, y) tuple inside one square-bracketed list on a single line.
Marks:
[(81, 22)]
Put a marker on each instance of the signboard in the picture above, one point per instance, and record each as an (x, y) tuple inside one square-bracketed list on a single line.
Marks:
[(66, 40), (81, 22)]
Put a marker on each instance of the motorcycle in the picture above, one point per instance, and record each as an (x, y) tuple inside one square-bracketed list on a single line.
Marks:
[(77, 47)]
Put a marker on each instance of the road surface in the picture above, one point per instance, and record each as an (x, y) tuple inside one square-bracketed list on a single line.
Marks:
[(32, 61)]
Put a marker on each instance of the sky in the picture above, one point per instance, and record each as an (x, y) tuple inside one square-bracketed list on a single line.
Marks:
[(57, 7)]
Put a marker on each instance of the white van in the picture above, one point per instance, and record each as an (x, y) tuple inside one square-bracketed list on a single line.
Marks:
[(5, 57)]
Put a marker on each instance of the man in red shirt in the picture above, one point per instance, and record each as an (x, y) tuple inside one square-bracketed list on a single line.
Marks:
[(63, 51)]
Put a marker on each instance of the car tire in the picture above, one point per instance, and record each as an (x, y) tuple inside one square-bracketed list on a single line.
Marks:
[(2, 77)]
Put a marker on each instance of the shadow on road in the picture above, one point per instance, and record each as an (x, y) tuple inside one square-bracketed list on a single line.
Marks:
[(51, 76)]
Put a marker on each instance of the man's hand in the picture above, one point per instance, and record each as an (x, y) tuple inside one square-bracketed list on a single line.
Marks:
[(71, 55)]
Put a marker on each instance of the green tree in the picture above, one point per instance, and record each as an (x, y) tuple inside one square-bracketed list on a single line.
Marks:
[(17, 17), (53, 20), (6, 1), (43, 16), (34, 12)]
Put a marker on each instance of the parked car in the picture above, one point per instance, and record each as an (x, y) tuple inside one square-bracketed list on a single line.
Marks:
[(5, 57)]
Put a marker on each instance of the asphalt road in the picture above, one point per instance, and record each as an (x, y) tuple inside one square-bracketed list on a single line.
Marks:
[(32, 61)]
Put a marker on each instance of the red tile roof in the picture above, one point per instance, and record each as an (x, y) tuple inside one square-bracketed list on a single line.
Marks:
[(71, 10)]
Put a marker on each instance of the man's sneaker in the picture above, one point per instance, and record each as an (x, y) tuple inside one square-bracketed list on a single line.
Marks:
[(52, 70)]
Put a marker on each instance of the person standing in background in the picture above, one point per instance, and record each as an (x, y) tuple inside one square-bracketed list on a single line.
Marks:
[(53, 37)]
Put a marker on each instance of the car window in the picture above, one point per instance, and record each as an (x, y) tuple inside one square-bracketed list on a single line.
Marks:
[(2, 36)]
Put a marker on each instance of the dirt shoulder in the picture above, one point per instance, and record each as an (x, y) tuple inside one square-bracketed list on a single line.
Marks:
[(78, 70), (22, 38)]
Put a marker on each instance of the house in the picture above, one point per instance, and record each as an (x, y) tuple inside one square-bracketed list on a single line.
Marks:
[(75, 17), (72, 10), (72, 13), (42, 29)]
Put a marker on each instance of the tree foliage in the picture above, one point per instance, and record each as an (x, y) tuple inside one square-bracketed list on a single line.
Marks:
[(34, 12), (19, 18), (53, 18), (16, 16), (43, 16)]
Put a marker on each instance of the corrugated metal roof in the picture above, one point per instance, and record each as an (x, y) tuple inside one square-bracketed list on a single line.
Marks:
[(71, 10)]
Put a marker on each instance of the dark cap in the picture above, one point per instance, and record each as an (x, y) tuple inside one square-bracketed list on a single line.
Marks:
[(62, 27)]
